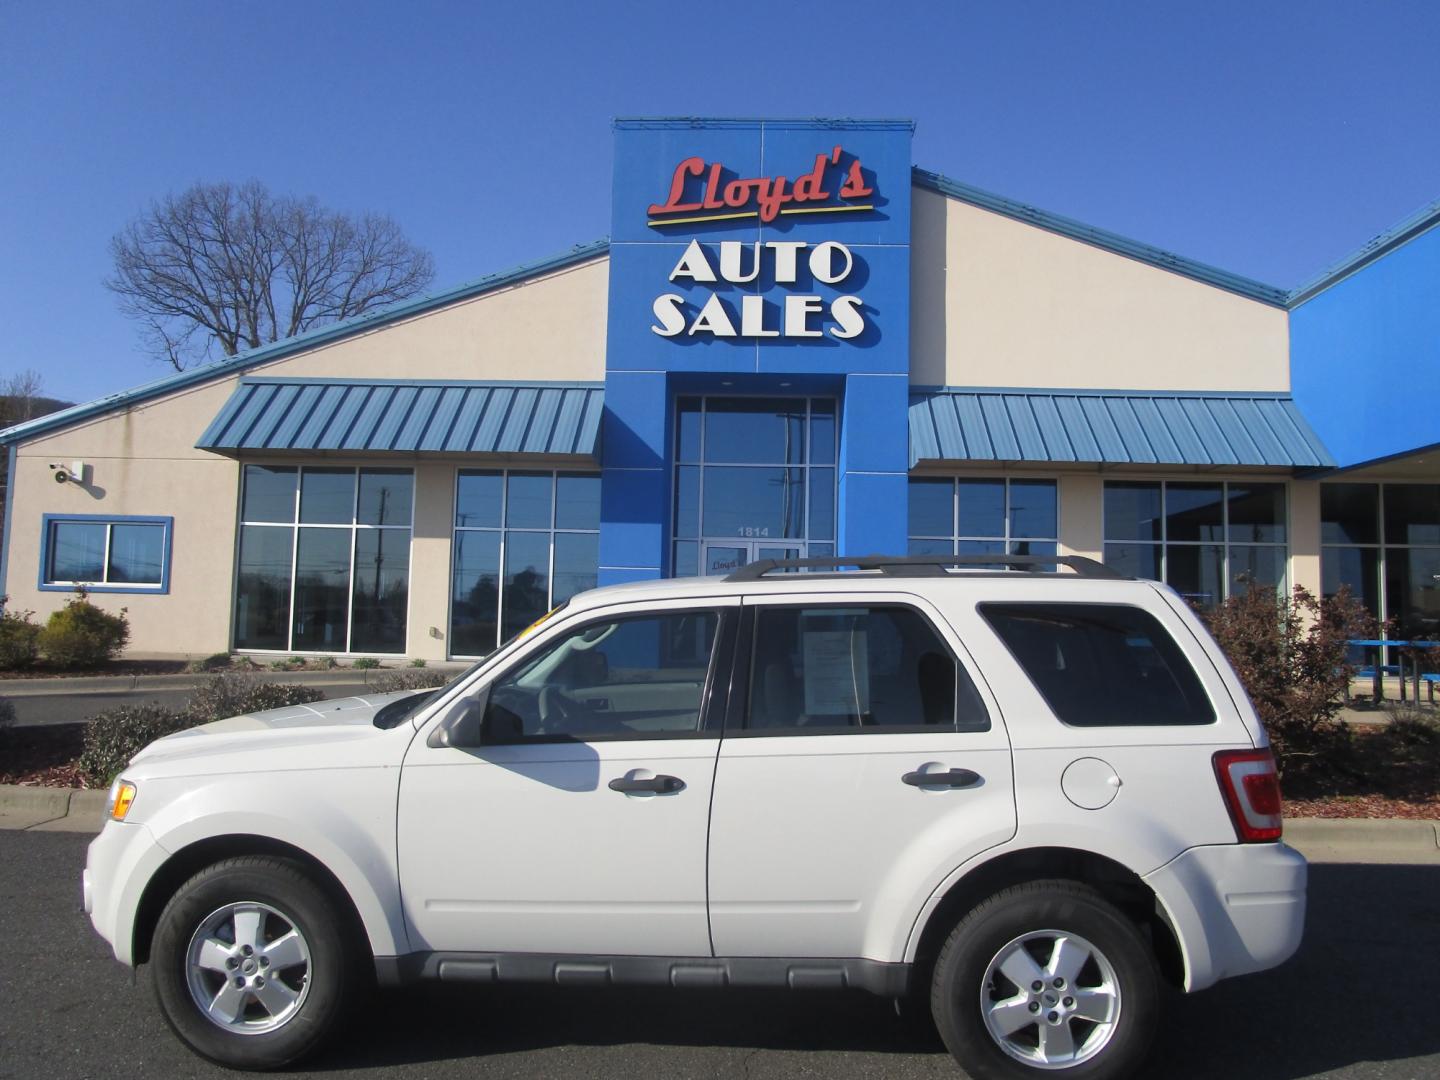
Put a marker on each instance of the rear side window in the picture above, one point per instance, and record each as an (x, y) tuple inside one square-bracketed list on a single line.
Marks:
[(1102, 665), (856, 669)]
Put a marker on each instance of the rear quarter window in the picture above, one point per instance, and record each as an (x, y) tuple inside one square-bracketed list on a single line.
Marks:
[(1102, 665)]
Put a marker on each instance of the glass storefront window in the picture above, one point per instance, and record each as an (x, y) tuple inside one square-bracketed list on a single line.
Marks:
[(324, 561), (752, 472), (523, 543), (1383, 542), (1204, 539), (982, 516), (124, 553)]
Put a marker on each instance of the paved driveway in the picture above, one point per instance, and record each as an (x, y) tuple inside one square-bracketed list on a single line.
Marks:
[(1358, 1002)]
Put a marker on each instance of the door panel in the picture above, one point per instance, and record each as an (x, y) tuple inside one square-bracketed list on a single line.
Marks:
[(540, 841), (819, 846), (527, 849)]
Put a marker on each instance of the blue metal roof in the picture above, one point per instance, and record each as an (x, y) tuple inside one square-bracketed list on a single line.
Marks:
[(400, 416), (289, 346), (1112, 427)]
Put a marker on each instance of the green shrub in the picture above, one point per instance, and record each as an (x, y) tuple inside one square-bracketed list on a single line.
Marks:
[(18, 637), (234, 695), (1291, 655), (412, 679), (280, 665), (112, 738), (327, 662), (365, 663), (82, 635), (419, 661)]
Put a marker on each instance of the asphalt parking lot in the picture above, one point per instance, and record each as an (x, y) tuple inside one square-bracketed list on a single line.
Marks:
[(1359, 1001)]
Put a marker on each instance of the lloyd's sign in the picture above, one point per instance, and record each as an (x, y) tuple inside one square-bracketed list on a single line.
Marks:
[(703, 192)]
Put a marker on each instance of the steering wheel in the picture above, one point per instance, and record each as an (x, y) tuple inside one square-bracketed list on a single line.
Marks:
[(558, 711)]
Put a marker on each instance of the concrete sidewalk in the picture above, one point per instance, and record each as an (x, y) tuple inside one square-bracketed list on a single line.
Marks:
[(1321, 840)]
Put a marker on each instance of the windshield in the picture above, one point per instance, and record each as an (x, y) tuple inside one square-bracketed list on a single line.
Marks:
[(397, 712)]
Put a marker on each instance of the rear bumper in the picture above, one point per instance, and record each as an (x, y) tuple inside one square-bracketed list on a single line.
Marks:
[(1235, 908)]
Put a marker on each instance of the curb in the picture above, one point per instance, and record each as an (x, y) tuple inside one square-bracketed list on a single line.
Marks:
[(118, 684), (39, 809)]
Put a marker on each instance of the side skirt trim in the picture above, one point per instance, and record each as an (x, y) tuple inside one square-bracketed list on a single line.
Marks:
[(875, 976)]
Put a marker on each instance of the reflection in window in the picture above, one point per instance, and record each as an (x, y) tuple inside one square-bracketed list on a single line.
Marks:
[(627, 678), (1102, 665), (1204, 539), (128, 553), (980, 516), (523, 543), (1383, 542), (324, 562), (753, 469)]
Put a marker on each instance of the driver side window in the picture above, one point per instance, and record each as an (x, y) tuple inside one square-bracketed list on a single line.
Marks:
[(614, 679)]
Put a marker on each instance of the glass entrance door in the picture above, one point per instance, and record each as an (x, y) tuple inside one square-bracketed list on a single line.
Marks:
[(721, 559), (755, 478)]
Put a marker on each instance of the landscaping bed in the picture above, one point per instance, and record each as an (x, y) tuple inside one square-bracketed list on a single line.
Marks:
[(43, 669)]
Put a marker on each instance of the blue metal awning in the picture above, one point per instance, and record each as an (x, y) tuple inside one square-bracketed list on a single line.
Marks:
[(1112, 427), (400, 416)]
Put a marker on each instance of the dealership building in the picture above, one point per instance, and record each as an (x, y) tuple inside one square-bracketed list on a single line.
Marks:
[(795, 342)]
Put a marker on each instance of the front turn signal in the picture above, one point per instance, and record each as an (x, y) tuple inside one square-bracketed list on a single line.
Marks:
[(122, 795)]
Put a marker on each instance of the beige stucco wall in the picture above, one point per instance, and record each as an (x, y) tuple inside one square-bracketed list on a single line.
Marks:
[(143, 461), (997, 302)]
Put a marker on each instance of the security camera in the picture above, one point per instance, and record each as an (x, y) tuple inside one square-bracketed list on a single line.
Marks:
[(68, 472)]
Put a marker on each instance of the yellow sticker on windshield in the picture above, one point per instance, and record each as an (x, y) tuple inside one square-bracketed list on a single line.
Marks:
[(541, 621)]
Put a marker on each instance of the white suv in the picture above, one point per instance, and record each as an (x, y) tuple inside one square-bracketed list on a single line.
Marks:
[(1030, 797)]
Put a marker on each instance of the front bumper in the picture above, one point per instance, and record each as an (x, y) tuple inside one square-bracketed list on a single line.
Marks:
[(118, 865), (1235, 908)]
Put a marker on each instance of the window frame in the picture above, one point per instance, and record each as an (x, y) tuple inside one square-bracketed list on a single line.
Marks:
[(1225, 543), (955, 537), (737, 716), (162, 588), (295, 525), (714, 692), (551, 530)]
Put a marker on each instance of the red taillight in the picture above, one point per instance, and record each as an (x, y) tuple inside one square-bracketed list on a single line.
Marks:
[(1251, 787)]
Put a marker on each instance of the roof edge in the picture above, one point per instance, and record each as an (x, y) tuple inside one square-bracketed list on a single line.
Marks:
[(329, 380), (1374, 249), (278, 350), (1103, 238), (1077, 391)]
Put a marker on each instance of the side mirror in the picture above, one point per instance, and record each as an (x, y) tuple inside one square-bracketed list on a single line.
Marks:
[(461, 727)]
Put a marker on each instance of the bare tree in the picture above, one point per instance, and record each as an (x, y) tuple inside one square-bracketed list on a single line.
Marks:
[(20, 398), (224, 268)]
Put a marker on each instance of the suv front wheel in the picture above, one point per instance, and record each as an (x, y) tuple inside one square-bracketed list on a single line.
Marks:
[(252, 966), (1046, 978)]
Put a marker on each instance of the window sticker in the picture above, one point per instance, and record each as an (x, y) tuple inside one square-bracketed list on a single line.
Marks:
[(837, 671)]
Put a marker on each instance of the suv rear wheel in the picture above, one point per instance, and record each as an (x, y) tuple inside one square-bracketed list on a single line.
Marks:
[(252, 966), (1046, 978)]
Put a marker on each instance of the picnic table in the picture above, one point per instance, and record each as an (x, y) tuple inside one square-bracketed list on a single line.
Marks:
[(1379, 669)]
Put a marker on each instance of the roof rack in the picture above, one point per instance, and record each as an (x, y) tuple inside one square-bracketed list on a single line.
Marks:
[(926, 565)]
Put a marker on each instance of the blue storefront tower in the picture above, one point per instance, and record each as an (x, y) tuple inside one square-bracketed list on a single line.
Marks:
[(694, 199)]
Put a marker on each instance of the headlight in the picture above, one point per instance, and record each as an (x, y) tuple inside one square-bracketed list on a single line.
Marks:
[(122, 796)]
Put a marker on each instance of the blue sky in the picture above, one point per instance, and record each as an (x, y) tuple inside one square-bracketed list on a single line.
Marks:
[(1268, 139)]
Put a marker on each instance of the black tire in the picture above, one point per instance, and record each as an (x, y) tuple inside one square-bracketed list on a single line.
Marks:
[(992, 929), (323, 985)]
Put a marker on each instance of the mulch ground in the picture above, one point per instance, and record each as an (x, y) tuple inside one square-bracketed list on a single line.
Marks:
[(43, 670)]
